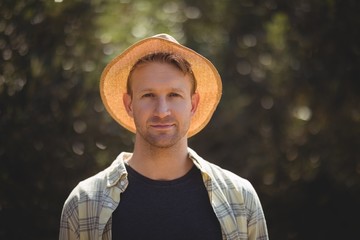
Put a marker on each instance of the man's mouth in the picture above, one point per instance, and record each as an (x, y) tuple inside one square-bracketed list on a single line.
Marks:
[(162, 126)]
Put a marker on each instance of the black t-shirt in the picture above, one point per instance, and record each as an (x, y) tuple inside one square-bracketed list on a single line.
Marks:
[(176, 209)]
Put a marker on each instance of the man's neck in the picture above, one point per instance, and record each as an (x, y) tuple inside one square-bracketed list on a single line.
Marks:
[(161, 163)]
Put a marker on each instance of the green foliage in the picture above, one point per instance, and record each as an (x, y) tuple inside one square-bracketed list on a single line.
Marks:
[(288, 120)]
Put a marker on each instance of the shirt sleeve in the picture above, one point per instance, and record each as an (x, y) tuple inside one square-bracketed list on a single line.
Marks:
[(69, 219), (257, 229)]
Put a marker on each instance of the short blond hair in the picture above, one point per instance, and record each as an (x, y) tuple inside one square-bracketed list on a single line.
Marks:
[(164, 57)]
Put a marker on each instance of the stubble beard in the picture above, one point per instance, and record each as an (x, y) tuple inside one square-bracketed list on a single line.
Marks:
[(162, 140)]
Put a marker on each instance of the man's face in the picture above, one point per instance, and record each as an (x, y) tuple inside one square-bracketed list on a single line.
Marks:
[(161, 104)]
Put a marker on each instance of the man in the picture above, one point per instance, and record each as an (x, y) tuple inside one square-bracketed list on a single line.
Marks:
[(164, 93)]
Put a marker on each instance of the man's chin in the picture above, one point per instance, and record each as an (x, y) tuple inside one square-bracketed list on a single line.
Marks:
[(163, 140), (163, 143)]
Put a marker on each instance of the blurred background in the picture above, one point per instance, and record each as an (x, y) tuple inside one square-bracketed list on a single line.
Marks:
[(289, 119)]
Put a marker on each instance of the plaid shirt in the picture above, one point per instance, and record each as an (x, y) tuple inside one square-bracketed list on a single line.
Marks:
[(87, 211)]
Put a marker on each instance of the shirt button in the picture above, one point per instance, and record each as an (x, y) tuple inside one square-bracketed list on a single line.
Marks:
[(122, 183)]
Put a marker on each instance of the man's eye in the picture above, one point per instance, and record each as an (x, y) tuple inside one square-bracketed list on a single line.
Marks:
[(147, 95), (174, 95)]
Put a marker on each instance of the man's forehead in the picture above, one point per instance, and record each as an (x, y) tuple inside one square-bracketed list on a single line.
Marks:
[(158, 69)]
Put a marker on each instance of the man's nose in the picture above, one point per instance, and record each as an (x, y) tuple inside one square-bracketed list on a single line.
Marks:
[(162, 108)]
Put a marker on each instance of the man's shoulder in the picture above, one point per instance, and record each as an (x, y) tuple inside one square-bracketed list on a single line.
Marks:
[(93, 183), (94, 186), (229, 178), (236, 189), (223, 178), (89, 188)]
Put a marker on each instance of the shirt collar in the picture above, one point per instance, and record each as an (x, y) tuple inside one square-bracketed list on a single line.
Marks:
[(117, 169), (200, 163)]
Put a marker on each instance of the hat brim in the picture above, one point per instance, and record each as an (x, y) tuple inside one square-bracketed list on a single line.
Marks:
[(113, 81)]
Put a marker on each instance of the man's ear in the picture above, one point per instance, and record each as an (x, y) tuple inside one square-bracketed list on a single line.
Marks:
[(195, 98), (127, 101)]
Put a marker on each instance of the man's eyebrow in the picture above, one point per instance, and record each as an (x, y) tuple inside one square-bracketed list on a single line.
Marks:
[(147, 90), (177, 90), (170, 90)]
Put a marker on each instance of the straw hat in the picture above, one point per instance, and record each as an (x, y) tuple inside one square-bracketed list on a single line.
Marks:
[(114, 80)]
